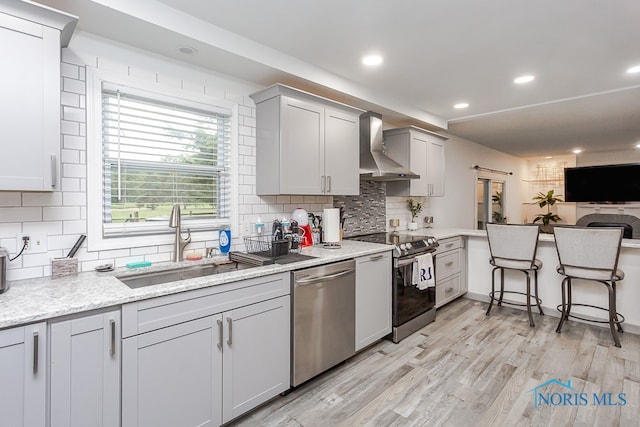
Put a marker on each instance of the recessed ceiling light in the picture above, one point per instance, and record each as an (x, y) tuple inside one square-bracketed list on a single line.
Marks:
[(638, 145), (372, 60), (634, 70), (577, 151), (548, 157), (524, 79), (187, 50), (461, 105)]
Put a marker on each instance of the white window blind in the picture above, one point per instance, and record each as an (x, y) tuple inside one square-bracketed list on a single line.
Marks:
[(157, 152)]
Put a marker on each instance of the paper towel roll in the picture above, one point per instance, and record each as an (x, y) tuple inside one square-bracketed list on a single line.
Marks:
[(331, 225)]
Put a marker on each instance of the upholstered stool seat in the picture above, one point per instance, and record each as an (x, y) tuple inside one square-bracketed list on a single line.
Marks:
[(513, 247), (589, 253)]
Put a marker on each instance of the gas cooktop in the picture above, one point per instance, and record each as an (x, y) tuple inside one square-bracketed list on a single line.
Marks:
[(405, 244)]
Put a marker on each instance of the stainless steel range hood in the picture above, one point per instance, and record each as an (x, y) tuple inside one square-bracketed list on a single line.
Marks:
[(374, 164)]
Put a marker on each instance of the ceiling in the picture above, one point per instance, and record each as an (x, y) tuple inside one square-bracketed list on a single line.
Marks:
[(436, 53)]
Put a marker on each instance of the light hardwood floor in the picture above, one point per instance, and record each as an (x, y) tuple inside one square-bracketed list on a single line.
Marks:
[(466, 369)]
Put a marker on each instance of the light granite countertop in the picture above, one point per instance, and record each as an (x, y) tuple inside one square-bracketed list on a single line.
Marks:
[(34, 300)]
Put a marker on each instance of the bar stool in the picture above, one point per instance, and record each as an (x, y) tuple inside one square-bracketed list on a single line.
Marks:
[(513, 247), (590, 253)]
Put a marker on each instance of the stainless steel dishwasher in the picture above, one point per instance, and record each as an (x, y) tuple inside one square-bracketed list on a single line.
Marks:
[(323, 312)]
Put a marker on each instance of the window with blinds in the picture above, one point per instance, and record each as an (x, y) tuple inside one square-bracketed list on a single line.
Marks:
[(157, 152)]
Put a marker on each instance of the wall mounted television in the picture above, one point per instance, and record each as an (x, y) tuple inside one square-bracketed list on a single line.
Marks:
[(602, 184)]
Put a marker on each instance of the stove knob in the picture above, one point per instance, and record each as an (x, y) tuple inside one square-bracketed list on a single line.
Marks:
[(402, 246), (409, 245)]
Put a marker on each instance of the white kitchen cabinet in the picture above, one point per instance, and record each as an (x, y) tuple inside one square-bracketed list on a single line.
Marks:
[(85, 371), (423, 153), (30, 103), (206, 356), (23, 376), (373, 298), (305, 144), (450, 264)]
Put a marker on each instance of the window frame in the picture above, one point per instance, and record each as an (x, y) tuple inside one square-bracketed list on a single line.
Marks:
[(138, 237)]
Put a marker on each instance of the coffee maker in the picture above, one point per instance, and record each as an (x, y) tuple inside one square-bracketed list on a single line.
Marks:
[(4, 261)]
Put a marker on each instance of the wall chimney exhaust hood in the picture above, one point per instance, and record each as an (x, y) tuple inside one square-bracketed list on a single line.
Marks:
[(374, 164)]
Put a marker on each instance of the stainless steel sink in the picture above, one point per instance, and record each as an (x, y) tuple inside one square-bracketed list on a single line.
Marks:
[(151, 278)]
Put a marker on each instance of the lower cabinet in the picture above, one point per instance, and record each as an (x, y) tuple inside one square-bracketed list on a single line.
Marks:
[(23, 376), (208, 370), (85, 371), (451, 267), (373, 298)]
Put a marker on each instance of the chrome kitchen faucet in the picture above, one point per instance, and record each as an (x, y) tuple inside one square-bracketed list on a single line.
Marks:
[(174, 222)]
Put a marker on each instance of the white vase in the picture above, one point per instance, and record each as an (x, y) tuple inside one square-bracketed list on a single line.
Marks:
[(412, 226)]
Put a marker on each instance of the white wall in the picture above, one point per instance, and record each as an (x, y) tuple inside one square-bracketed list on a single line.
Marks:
[(62, 215), (457, 208)]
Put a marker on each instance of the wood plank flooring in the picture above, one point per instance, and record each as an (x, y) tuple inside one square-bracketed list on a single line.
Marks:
[(466, 369)]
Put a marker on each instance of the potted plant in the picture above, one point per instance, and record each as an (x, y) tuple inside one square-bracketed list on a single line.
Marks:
[(414, 209), (547, 199)]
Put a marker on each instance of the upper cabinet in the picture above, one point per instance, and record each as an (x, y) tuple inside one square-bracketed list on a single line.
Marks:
[(305, 144), (423, 153), (32, 36)]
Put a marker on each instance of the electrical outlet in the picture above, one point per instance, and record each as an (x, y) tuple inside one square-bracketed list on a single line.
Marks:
[(36, 243)]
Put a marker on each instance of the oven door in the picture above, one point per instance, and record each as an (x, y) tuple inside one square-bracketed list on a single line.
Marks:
[(409, 301)]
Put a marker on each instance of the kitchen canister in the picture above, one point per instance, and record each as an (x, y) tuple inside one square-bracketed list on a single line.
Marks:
[(331, 228), (224, 240)]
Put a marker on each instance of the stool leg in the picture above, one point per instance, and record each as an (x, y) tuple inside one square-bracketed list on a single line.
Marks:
[(535, 277), (569, 297), (526, 273), (493, 290), (501, 287), (615, 304), (564, 303), (612, 314)]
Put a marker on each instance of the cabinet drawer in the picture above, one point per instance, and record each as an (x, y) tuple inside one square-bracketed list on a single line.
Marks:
[(447, 264), (449, 244), (148, 315), (447, 290)]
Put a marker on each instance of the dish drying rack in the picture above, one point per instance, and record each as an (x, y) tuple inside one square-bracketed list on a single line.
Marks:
[(266, 246)]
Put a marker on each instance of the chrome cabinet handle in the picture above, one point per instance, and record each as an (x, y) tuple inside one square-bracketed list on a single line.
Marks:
[(54, 170), (328, 183), (36, 341), (322, 183), (376, 258), (219, 334), (112, 323), (230, 322)]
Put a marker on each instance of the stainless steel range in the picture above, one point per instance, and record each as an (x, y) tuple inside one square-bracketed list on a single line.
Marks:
[(413, 308)]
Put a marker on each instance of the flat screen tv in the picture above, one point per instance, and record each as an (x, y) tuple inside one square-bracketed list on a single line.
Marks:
[(603, 184)]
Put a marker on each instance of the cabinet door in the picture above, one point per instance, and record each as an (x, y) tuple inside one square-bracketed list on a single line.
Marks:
[(436, 168), (418, 164), (302, 147), (373, 298), (173, 376), (23, 373), (30, 105), (85, 371), (341, 153), (256, 355)]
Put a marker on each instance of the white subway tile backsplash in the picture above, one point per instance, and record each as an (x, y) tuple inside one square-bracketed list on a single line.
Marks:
[(70, 99), (73, 114), (69, 128), (70, 156), (25, 273), (46, 227), (42, 199), (74, 142), (73, 86), (36, 260), (115, 253), (70, 184), (10, 245), (69, 70), (61, 213), (159, 257), (10, 229), (10, 199), (147, 250), (74, 199), (74, 171), (26, 214), (75, 227)]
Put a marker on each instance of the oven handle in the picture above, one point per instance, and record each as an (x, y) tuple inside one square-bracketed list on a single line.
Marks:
[(401, 262)]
